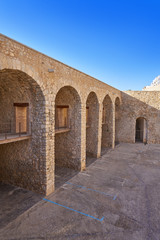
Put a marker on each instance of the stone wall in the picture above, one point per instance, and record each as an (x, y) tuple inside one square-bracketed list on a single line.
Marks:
[(15, 87), (139, 104), (38, 157)]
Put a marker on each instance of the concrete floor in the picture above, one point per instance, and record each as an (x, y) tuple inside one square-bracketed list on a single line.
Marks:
[(116, 198)]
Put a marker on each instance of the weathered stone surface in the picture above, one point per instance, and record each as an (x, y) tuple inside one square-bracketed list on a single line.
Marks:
[(137, 104), (92, 128), (107, 126), (24, 76), (68, 144)]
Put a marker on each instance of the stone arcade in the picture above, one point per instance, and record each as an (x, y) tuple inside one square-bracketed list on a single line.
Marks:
[(53, 115)]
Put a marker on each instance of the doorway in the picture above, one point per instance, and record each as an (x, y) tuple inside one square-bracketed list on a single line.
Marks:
[(141, 130)]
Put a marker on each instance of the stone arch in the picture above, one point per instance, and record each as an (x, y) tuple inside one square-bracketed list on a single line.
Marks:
[(117, 119), (17, 65), (92, 119), (141, 130), (71, 85), (23, 163), (107, 122), (68, 128)]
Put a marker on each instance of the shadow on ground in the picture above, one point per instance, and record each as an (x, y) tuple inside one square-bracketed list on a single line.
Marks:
[(90, 159), (14, 201), (63, 175), (116, 198), (105, 150)]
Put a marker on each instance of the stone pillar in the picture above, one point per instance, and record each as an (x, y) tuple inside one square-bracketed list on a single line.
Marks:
[(83, 136), (113, 125), (50, 149), (99, 130)]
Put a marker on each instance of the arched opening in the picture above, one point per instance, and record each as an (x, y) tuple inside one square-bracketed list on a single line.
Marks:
[(117, 120), (22, 146), (67, 134), (92, 117), (141, 130), (107, 124)]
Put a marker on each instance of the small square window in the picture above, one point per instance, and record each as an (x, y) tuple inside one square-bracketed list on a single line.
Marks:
[(62, 120)]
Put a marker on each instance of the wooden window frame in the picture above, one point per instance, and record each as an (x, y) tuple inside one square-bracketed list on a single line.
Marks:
[(57, 128), (22, 105)]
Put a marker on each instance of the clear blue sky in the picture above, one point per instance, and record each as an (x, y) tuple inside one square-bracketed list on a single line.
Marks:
[(116, 41)]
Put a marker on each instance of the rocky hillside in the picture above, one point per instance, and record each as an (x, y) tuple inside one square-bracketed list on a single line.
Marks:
[(155, 85)]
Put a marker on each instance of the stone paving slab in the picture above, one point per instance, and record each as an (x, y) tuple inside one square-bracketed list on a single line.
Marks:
[(133, 215)]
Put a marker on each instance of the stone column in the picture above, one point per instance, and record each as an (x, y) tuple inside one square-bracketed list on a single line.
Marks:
[(50, 148)]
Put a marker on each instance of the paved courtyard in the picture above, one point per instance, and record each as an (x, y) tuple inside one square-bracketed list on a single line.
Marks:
[(116, 198)]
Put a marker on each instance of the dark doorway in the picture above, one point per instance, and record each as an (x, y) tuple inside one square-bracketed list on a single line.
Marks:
[(141, 130)]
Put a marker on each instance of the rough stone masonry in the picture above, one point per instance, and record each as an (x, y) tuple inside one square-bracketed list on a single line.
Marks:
[(28, 76)]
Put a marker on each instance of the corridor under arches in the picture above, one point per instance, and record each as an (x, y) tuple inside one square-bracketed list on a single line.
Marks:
[(21, 113), (107, 124), (67, 134), (92, 118)]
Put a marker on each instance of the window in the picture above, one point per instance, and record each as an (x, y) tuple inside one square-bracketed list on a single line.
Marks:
[(21, 117), (62, 119), (87, 116)]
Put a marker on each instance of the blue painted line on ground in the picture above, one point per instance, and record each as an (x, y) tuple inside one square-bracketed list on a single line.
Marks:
[(93, 190), (87, 215)]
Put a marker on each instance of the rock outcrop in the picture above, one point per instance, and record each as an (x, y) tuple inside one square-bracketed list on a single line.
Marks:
[(155, 85)]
